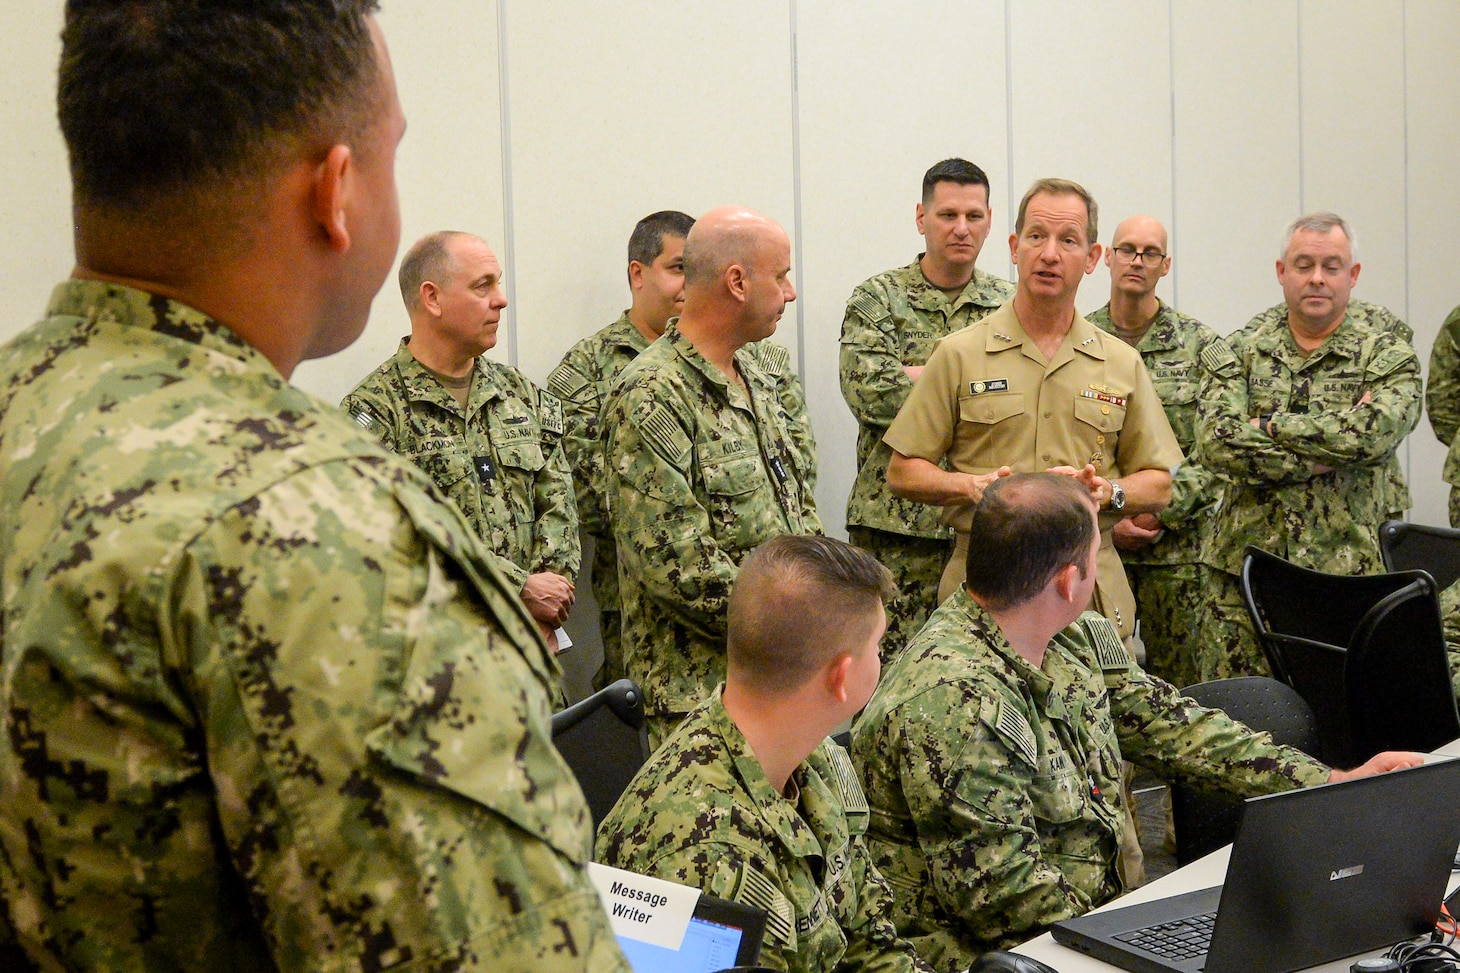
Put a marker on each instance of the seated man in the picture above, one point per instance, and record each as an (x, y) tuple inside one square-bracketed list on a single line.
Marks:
[(991, 752), (747, 799)]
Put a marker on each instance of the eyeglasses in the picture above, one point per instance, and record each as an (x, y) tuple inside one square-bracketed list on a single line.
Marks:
[(1151, 258)]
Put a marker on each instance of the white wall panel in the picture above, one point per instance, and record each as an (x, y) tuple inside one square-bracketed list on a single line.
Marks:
[(1432, 36), (1092, 102), (882, 99), (35, 190), (618, 110), (1235, 89), (449, 166)]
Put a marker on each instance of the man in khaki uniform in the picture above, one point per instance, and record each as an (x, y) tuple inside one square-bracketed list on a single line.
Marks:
[(891, 324), (1034, 386)]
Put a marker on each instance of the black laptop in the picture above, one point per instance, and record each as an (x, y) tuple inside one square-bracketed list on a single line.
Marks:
[(1316, 874), (721, 934)]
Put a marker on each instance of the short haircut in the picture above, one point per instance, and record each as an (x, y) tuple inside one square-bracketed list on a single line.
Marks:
[(646, 243), (429, 258), (1026, 528), (1062, 187), (171, 105), (708, 254), (796, 603), (1322, 222), (959, 171)]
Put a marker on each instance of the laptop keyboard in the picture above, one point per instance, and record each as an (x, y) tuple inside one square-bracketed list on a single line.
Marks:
[(1178, 940)]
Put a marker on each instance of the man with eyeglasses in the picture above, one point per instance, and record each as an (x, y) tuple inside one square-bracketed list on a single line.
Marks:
[(1302, 415), (892, 322), (1162, 552)]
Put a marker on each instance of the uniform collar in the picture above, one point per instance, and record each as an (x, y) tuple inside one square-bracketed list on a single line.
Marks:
[(623, 334), (422, 386), (744, 362), (925, 296), (1160, 336), (1005, 332)]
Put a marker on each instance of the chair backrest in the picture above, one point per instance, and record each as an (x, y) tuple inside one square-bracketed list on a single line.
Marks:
[(1315, 670), (1421, 547), (1397, 675), (1206, 821), (604, 740), (1285, 599)]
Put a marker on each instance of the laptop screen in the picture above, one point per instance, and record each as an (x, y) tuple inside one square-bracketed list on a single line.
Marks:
[(707, 947)]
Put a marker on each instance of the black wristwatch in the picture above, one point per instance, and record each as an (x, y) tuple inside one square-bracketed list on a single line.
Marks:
[(1117, 496)]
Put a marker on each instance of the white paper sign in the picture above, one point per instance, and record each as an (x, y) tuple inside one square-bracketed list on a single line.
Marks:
[(650, 910)]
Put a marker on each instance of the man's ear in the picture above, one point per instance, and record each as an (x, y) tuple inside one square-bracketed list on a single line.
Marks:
[(735, 281), (430, 296), (1065, 581), (837, 672), (333, 179), (636, 275)]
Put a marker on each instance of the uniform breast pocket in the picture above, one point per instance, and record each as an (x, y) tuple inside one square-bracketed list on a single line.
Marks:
[(1180, 389), (991, 407), (521, 462), (736, 488), (1058, 797), (1100, 418), (447, 469)]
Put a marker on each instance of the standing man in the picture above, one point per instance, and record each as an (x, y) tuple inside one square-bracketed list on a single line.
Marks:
[(892, 322), (1034, 386), (700, 463), (1442, 399), (1162, 552), (480, 429), (267, 704), (1302, 415), (992, 747), (748, 799), (591, 368)]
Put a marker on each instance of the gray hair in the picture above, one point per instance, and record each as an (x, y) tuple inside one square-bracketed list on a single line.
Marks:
[(1322, 222)]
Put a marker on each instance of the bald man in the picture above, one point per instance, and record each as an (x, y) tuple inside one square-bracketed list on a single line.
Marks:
[(701, 467), (1162, 551)]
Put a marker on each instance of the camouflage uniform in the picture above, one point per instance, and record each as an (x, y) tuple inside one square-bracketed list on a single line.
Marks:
[(501, 462), (893, 321), (993, 785), (1273, 500), (267, 705), (583, 380), (702, 813), (697, 475), (1442, 398), (1167, 576), (1450, 614)]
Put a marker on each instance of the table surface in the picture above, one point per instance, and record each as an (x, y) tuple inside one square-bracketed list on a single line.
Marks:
[(1200, 874)]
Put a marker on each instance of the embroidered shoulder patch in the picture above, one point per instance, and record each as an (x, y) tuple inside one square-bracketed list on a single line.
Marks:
[(755, 889), (566, 381), (1013, 726), (662, 433), (1387, 361), (853, 799), (1217, 357), (772, 358), (550, 412), (1110, 651), (865, 305)]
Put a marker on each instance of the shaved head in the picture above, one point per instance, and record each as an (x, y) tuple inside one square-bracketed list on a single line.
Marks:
[(1145, 226), (726, 236)]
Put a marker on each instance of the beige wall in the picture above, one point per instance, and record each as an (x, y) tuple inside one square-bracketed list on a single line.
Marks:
[(550, 127)]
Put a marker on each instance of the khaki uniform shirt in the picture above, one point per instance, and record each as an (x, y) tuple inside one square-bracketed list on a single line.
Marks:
[(988, 399), (699, 473), (269, 706), (1274, 500), (994, 786), (501, 461), (892, 321), (1169, 350), (702, 813)]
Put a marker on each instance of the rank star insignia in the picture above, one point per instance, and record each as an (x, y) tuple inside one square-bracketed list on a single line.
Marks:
[(1002, 337), (1087, 341)]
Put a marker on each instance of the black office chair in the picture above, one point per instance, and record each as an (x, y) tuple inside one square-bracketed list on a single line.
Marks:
[(1397, 675), (1206, 821), (1421, 547), (604, 740)]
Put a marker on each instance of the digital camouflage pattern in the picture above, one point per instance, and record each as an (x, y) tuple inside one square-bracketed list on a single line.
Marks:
[(1273, 499), (1442, 400), (583, 379), (892, 321), (989, 398), (1165, 576), (1450, 614), (501, 462), (702, 813), (994, 786), (267, 704), (698, 474)]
